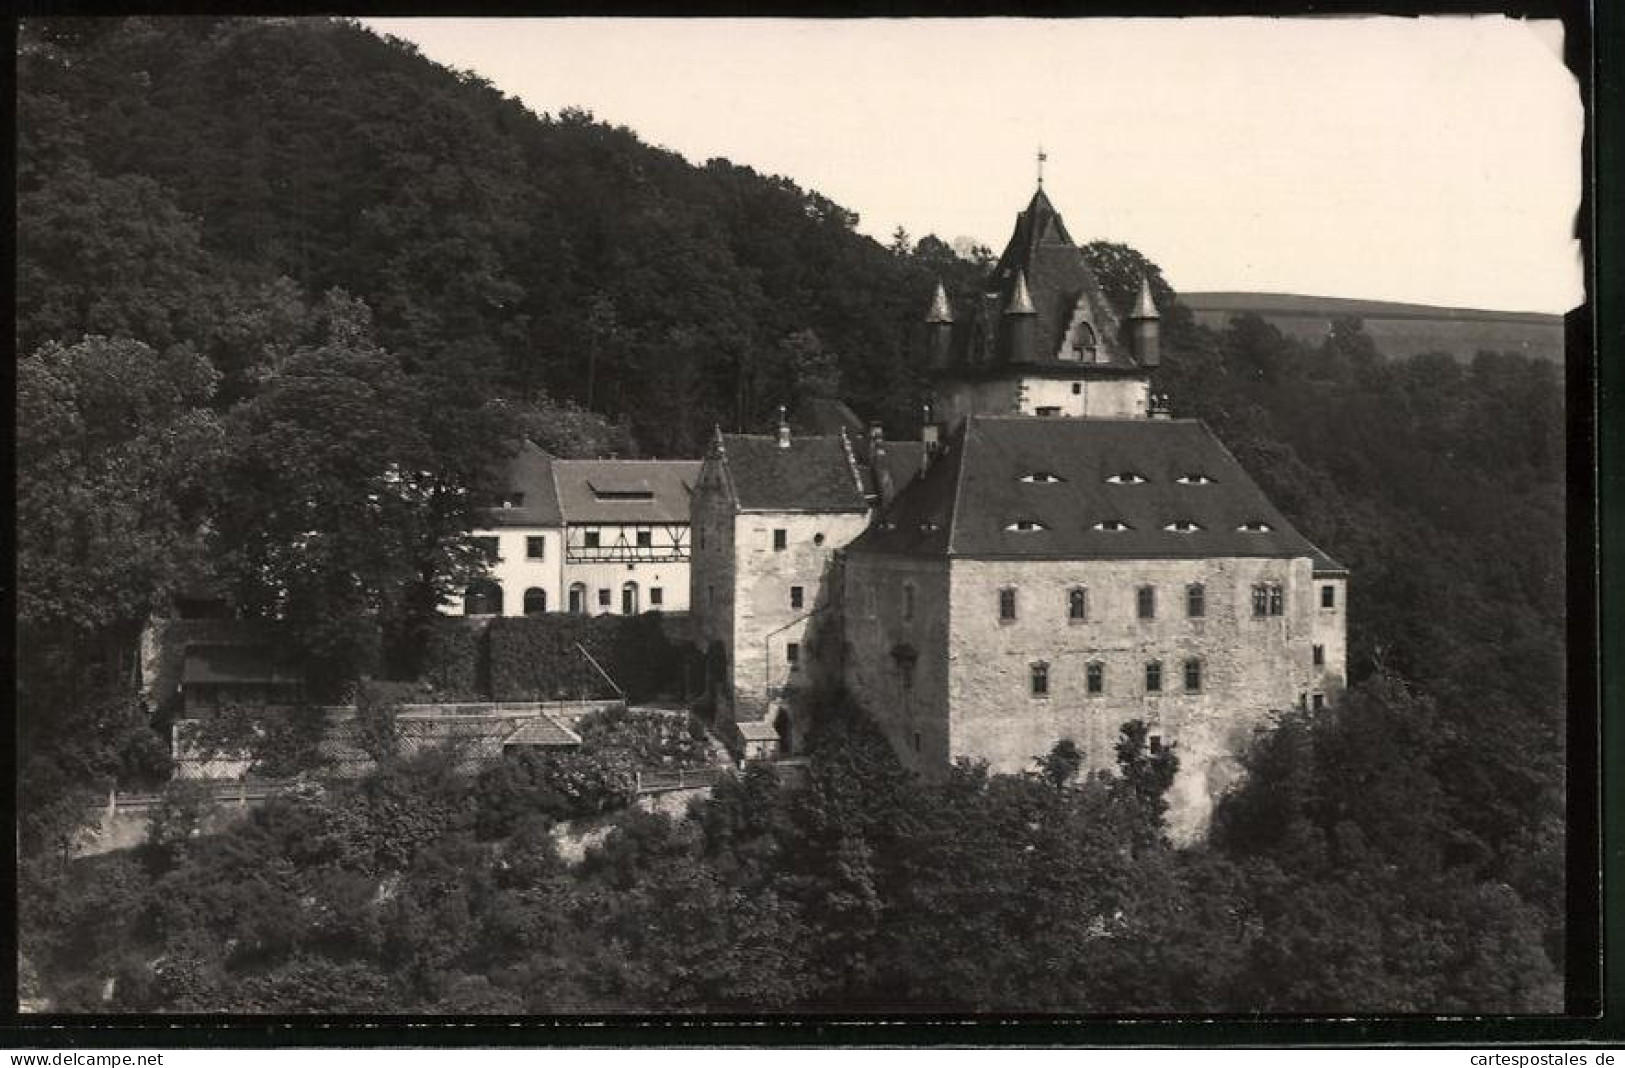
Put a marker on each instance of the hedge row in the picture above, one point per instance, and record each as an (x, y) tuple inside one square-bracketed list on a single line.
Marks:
[(536, 658), (540, 658)]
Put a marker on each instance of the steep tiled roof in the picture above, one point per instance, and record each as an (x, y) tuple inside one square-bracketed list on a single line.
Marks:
[(530, 473), (975, 499), (625, 491), (814, 474), (1041, 258)]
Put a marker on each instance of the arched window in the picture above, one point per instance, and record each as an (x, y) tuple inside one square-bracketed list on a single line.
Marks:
[(535, 601), (578, 598), (483, 598), (1195, 600), (1085, 345), (1077, 604)]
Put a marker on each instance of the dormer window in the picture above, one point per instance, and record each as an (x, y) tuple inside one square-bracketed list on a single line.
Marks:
[(1182, 526), (1112, 525), (1025, 526), (1084, 343), (1044, 477), (513, 500), (1195, 478), (1126, 478), (1255, 526)]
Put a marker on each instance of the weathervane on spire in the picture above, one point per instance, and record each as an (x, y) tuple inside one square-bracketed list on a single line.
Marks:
[(1041, 158)]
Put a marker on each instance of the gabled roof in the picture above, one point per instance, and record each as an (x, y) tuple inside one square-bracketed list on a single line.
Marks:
[(625, 491), (973, 496), (813, 474), (544, 731), (529, 473)]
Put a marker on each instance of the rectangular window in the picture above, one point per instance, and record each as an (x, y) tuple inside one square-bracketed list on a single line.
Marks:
[(1040, 679), (1097, 678), (1148, 602), (488, 548), (1328, 597), (796, 596), (590, 539), (603, 598), (1049, 413), (1077, 388), (906, 667), (535, 548), (1319, 655), (1153, 677), (646, 539), (710, 597), (1077, 604), (1195, 601), (657, 596), (1261, 600), (1007, 605), (1155, 744), (916, 741), (781, 540), (792, 655), (908, 602), (1193, 676), (1277, 601), (1318, 701)]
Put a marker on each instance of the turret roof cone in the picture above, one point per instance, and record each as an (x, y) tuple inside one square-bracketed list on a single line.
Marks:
[(1021, 301), (1144, 306), (940, 312)]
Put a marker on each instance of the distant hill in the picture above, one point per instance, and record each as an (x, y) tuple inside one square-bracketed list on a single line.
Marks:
[(1398, 329)]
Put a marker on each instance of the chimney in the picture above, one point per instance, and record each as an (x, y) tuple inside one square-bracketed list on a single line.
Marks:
[(939, 328), (930, 438), (1144, 328), (784, 429), (877, 466)]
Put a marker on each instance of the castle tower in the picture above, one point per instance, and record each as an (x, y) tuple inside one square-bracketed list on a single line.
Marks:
[(1041, 338), (1144, 328)]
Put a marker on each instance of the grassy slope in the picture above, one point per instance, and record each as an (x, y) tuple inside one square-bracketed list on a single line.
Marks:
[(1398, 329)]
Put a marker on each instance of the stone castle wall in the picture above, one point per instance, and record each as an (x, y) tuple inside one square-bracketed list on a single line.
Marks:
[(1250, 665)]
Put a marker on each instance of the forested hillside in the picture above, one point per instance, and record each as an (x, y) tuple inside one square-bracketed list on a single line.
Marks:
[(286, 291)]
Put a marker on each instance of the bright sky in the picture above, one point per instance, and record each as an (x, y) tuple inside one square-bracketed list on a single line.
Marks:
[(1432, 160)]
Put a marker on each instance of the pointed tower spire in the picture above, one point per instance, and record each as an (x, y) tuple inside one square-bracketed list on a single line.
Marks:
[(1144, 329), (1021, 301), (940, 312), (1144, 306), (1020, 321)]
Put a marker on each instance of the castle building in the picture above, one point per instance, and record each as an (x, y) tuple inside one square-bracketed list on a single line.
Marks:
[(1071, 558), (592, 537), (1055, 557), (769, 513)]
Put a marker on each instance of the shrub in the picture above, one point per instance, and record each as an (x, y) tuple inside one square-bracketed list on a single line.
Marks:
[(652, 738), (538, 659)]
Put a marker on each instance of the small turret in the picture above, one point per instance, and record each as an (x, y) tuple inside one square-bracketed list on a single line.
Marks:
[(939, 328), (1020, 321), (1145, 328)]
